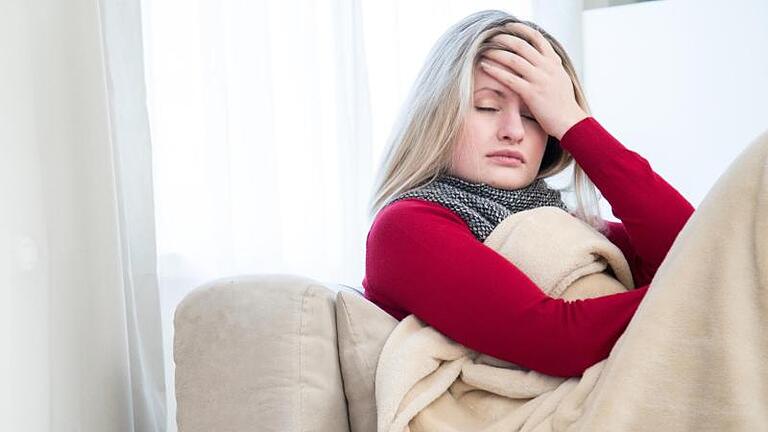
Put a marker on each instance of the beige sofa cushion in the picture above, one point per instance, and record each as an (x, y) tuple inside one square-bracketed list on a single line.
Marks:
[(362, 328), (258, 352)]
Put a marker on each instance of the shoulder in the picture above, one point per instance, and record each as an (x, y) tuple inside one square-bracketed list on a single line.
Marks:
[(416, 212), (417, 218)]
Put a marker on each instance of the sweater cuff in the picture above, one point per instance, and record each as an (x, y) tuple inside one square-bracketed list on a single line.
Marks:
[(578, 133)]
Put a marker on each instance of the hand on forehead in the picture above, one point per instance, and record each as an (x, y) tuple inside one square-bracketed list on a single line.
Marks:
[(486, 85), (520, 41)]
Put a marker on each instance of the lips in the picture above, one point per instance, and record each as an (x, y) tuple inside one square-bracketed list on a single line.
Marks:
[(508, 153)]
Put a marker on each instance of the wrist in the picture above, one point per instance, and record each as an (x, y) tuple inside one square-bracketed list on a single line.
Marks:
[(571, 121)]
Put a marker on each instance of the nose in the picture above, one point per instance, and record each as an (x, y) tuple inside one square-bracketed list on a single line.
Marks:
[(511, 127)]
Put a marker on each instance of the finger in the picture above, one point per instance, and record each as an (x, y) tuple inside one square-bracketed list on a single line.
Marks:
[(520, 46), (514, 61), (498, 65), (534, 37), (518, 84)]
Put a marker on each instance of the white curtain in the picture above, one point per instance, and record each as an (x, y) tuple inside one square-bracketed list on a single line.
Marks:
[(80, 348), (132, 154), (269, 120)]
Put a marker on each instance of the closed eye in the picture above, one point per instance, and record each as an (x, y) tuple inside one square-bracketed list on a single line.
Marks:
[(494, 109)]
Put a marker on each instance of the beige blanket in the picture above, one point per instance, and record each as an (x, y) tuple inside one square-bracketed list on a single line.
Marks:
[(694, 356)]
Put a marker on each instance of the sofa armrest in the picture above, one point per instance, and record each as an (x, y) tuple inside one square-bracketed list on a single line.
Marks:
[(258, 352)]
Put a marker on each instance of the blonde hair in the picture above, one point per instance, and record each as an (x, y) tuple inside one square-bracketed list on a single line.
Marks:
[(430, 122)]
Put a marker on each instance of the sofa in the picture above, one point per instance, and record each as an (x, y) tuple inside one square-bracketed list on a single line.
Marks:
[(277, 352)]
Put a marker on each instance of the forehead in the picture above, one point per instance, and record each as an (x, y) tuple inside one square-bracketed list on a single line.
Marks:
[(486, 85)]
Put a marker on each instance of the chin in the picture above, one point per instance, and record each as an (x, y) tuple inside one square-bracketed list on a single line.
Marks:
[(510, 180), (510, 184)]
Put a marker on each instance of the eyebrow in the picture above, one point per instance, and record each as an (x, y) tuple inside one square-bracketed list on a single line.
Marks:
[(498, 92)]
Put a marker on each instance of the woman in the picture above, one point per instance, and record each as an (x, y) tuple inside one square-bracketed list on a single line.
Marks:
[(474, 146)]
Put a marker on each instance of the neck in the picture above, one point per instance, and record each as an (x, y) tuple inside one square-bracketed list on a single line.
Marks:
[(480, 185)]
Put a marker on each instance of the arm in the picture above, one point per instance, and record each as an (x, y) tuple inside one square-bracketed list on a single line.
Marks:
[(617, 234), (423, 259), (652, 211)]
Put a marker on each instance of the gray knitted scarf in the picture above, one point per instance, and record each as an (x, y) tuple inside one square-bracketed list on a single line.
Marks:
[(481, 205)]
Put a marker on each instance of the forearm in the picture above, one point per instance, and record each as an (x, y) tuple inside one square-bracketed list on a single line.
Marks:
[(653, 212)]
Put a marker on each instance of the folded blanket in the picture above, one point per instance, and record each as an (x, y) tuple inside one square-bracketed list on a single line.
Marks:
[(563, 255), (694, 356), (566, 258)]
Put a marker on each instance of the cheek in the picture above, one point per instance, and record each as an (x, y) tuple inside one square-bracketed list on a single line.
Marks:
[(466, 152), (541, 147), (479, 126), (466, 138), (462, 151), (475, 133)]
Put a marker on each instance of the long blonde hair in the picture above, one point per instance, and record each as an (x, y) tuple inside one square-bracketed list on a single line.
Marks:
[(421, 142)]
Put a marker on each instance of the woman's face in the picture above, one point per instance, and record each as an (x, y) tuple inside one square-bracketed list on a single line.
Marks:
[(498, 121)]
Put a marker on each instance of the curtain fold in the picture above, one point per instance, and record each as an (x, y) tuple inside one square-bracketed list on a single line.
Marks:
[(132, 152)]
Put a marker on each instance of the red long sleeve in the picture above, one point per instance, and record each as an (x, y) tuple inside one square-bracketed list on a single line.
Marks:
[(421, 258), (652, 212)]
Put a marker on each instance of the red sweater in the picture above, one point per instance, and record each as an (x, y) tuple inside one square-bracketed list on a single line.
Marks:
[(422, 259)]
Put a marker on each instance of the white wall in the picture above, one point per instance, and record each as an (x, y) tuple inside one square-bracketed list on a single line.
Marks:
[(682, 82)]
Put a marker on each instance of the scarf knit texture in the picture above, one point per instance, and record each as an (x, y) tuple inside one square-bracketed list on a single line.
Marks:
[(481, 205)]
